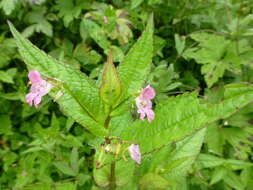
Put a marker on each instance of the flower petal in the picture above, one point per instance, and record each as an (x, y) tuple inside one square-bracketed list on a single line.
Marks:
[(134, 151), (148, 93), (34, 76)]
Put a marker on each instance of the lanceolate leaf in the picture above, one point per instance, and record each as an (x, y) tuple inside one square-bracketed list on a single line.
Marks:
[(134, 68), (183, 115), (81, 101)]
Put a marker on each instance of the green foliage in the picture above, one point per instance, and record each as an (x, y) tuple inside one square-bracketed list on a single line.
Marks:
[(198, 58)]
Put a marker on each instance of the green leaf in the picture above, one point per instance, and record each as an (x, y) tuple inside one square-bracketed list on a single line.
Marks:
[(209, 55), (96, 33), (180, 44), (135, 67), (218, 174), (136, 3), (215, 140), (8, 6), (5, 77), (74, 158), (64, 168), (79, 93), (186, 152), (152, 180), (65, 186), (233, 181), (183, 115), (110, 89)]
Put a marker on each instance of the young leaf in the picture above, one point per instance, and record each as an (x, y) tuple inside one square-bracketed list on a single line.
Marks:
[(110, 89), (134, 68)]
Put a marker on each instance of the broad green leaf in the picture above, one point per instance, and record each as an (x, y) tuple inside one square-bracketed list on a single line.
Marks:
[(111, 88), (80, 99), (134, 68), (186, 152), (183, 115)]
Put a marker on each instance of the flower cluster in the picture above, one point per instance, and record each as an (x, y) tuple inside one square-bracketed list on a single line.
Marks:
[(39, 88), (144, 104)]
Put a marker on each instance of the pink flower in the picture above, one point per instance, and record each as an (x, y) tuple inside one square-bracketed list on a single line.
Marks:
[(38, 89), (144, 104), (134, 151)]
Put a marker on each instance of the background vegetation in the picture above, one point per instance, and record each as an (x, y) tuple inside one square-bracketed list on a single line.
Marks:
[(199, 45)]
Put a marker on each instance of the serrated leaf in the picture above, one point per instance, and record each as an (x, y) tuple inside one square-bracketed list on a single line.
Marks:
[(135, 66), (180, 116), (186, 151), (80, 94)]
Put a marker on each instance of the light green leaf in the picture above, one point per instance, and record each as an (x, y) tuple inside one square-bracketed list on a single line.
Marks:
[(135, 66), (64, 168), (152, 180), (135, 3), (65, 186), (180, 44), (8, 6), (111, 88), (80, 99), (233, 181), (186, 153), (74, 160), (218, 174), (96, 33), (5, 77)]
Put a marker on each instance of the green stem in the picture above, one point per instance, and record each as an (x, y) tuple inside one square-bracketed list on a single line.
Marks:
[(112, 185)]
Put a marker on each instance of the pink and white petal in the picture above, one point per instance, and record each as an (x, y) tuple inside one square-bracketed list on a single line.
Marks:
[(34, 76), (135, 153), (29, 98), (150, 115), (148, 92), (37, 100)]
